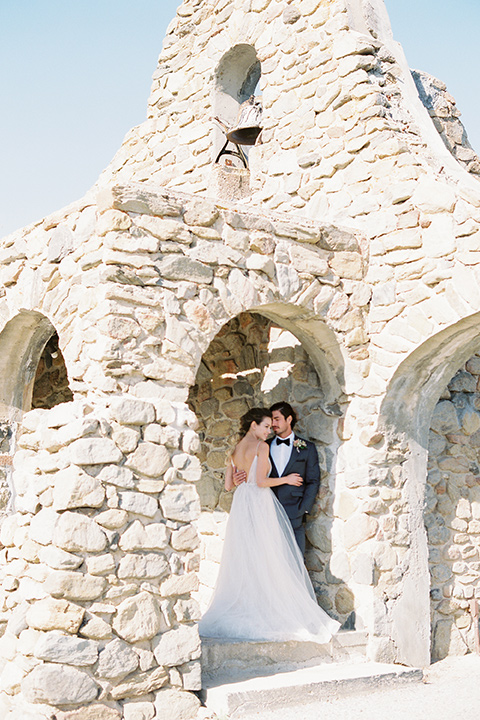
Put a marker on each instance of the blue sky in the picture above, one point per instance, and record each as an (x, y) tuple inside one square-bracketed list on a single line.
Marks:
[(76, 77)]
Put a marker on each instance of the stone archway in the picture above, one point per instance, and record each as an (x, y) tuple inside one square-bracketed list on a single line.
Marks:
[(406, 419), (32, 374), (22, 342), (256, 361), (452, 512)]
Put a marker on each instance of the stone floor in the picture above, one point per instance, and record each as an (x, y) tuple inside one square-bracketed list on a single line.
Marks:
[(451, 689)]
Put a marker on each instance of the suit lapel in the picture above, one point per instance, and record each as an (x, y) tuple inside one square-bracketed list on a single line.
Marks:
[(291, 459)]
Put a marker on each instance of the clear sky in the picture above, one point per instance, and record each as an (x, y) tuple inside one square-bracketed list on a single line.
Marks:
[(75, 77)]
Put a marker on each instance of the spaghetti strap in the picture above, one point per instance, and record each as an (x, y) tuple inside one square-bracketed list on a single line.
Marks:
[(256, 449)]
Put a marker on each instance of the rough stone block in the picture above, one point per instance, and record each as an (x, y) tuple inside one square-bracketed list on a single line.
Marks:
[(112, 519), (432, 196), (180, 584), (74, 489), (138, 504), (149, 459), (138, 711), (172, 704), (58, 685), (119, 476), (94, 451), (43, 525), (139, 618), (177, 646), (444, 419), (180, 502), (139, 537), (116, 660), (148, 565), (59, 648), (90, 712), (166, 230), (308, 260), (50, 614), (75, 585), (140, 684), (179, 267), (95, 628), (128, 411), (185, 538), (100, 564), (126, 438), (75, 532)]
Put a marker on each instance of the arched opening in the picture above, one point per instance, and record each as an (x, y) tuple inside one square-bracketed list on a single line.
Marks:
[(23, 341), (237, 78), (415, 423), (256, 360), (32, 375)]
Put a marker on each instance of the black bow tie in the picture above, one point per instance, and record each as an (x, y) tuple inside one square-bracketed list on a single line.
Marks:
[(283, 442)]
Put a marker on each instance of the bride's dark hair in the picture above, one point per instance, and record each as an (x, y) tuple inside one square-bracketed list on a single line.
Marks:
[(254, 415)]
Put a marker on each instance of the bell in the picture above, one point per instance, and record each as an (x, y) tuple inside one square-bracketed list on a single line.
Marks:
[(248, 126)]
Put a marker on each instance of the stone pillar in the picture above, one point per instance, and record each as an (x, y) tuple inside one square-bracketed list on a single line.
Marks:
[(99, 563)]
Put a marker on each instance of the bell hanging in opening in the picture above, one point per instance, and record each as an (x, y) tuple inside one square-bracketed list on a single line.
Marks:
[(248, 126)]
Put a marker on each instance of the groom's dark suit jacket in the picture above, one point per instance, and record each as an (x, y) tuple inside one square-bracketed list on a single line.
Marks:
[(298, 500)]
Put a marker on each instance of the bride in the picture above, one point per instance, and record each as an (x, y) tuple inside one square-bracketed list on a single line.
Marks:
[(263, 590)]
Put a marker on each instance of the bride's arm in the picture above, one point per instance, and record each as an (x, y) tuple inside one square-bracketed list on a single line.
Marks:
[(263, 468), (229, 484)]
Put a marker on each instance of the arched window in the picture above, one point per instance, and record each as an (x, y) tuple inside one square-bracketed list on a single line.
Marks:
[(237, 78)]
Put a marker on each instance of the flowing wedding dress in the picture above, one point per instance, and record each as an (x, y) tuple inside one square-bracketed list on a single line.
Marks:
[(263, 590)]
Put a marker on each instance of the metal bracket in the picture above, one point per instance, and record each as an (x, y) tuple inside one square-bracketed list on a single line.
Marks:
[(236, 153)]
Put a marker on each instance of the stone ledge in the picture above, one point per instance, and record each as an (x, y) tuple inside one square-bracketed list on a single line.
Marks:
[(302, 686)]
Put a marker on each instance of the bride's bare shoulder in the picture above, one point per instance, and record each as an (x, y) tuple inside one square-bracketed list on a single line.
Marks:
[(263, 449), (238, 451)]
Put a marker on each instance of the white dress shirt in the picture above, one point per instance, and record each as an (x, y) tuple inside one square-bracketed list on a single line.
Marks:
[(281, 453)]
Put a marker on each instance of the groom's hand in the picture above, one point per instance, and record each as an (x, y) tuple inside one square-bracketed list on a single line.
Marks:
[(239, 476)]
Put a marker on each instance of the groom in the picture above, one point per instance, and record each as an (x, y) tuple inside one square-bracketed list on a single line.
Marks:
[(292, 454)]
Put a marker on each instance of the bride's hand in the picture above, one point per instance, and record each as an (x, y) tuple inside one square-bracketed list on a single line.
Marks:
[(294, 479)]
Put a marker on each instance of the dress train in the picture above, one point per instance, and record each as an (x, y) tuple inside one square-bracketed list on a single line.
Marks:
[(263, 590)]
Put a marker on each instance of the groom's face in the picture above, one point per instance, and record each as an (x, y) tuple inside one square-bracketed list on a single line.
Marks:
[(281, 426)]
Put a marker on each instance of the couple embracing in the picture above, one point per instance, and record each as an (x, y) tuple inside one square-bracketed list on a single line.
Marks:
[(263, 590), (292, 459)]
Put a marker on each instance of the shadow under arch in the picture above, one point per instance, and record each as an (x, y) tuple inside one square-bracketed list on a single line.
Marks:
[(229, 380), (22, 342), (405, 417)]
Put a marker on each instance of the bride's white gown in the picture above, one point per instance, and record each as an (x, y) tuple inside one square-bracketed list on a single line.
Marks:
[(263, 591)]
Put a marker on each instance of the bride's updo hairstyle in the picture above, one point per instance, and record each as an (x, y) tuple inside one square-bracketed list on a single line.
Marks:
[(254, 415)]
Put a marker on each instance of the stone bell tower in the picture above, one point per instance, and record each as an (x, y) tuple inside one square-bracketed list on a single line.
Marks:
[(338, 267)]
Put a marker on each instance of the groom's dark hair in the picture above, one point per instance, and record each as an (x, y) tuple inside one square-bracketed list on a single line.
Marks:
[(286, 410)]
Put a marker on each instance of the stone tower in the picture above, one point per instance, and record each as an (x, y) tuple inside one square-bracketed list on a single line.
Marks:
[(339, 268)]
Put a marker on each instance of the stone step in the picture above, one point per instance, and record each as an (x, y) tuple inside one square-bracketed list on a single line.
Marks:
[(238, 660), (301, 686)]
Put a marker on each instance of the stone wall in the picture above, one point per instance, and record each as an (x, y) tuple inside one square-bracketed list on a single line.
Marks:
[(452, 514), (98, 565), (446, 118), (360, 236)]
